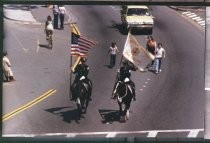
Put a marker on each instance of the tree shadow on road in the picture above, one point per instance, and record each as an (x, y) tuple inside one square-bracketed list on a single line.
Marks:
[(109, 116), (66, 113)]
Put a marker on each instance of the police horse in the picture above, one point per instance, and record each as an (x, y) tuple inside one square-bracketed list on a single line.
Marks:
[(82, 91), (124, 94)]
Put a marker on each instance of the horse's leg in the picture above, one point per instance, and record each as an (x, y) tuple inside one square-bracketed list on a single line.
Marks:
[(87, 102), (79, 108), (120, 111), (90, 87), (127, 107)]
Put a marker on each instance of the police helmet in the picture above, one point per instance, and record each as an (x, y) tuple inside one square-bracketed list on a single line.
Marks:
[(125, 62), (83, 60)]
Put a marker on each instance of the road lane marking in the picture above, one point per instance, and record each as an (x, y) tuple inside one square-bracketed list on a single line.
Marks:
[(195, 18), (203, 21), (38, 43), (111, 135), (28, 105), (208, 89), (193, 133), (24, 49), (152, 134)]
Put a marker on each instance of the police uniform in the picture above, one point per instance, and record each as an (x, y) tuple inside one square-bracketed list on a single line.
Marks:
[(125, 72), (80, 71)]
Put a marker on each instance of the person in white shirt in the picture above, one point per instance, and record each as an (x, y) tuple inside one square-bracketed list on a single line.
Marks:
[(7, 68), (62, 12), (55, 14), (113, 51), (160, 53)]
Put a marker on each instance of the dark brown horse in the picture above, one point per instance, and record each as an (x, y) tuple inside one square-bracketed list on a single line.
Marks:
[(124, 93), (82, 91)]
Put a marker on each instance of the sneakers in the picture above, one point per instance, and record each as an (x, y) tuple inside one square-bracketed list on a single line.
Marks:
[(158, 71)]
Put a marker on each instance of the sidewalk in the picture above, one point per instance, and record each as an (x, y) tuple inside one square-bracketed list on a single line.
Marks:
[(34, 15), (19, 13)]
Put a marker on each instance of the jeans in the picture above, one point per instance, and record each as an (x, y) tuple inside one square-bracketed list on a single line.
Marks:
[(158, 62), (112, 60), (55, 22), (61, 20)]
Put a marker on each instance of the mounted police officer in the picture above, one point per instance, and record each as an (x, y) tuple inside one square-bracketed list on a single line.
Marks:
[(81, 72), (125, 74)]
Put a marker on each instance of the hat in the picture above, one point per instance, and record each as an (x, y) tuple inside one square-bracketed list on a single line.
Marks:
[(83, 60)]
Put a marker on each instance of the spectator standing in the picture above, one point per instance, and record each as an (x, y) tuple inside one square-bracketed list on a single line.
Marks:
[(62, 12), (151, 47), (7, 68), (55, 14), (113, 51), (158, 58)]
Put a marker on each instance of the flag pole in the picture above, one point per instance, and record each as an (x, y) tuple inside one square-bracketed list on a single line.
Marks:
[(70, 95), (116, 79)]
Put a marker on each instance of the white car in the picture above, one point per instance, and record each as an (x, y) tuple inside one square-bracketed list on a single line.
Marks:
[(137, 17)]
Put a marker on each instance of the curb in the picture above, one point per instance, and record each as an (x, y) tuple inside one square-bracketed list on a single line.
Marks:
[(31, 23), (23, 22), (35, 23)]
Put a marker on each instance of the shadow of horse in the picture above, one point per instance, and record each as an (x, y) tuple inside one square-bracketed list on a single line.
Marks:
[(45, 46), (109, 116), (66, 113)]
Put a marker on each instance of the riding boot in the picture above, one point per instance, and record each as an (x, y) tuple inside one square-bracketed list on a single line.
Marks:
[(73, 90), (90, 99), (134, 95)]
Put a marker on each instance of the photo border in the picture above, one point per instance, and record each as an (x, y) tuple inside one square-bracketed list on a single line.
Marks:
[(92, 140)]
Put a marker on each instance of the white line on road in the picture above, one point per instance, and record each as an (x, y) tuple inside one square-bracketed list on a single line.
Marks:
[(208, 89), (201, 21), (151, 133), (37, 48), (24, 49), (111, 135), (195, 18), (191, 16), (186, 12), (193, 134)]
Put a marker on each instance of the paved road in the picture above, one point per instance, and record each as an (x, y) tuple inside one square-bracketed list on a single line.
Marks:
[(170, 102), (207, 75)]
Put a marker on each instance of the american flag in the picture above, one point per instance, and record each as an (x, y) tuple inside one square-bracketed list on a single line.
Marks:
[(80, 45)]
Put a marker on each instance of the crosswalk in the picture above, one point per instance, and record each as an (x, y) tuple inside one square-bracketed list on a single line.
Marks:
[(195, 18), (186, 133)]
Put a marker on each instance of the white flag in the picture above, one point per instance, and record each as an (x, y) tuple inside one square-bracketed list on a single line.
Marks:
[(136, 53)]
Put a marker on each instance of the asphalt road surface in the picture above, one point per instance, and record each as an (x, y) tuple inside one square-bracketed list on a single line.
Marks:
[(169, 104)]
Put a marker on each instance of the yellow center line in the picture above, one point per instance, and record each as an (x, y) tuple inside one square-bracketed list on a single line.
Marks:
[(28, 105)]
